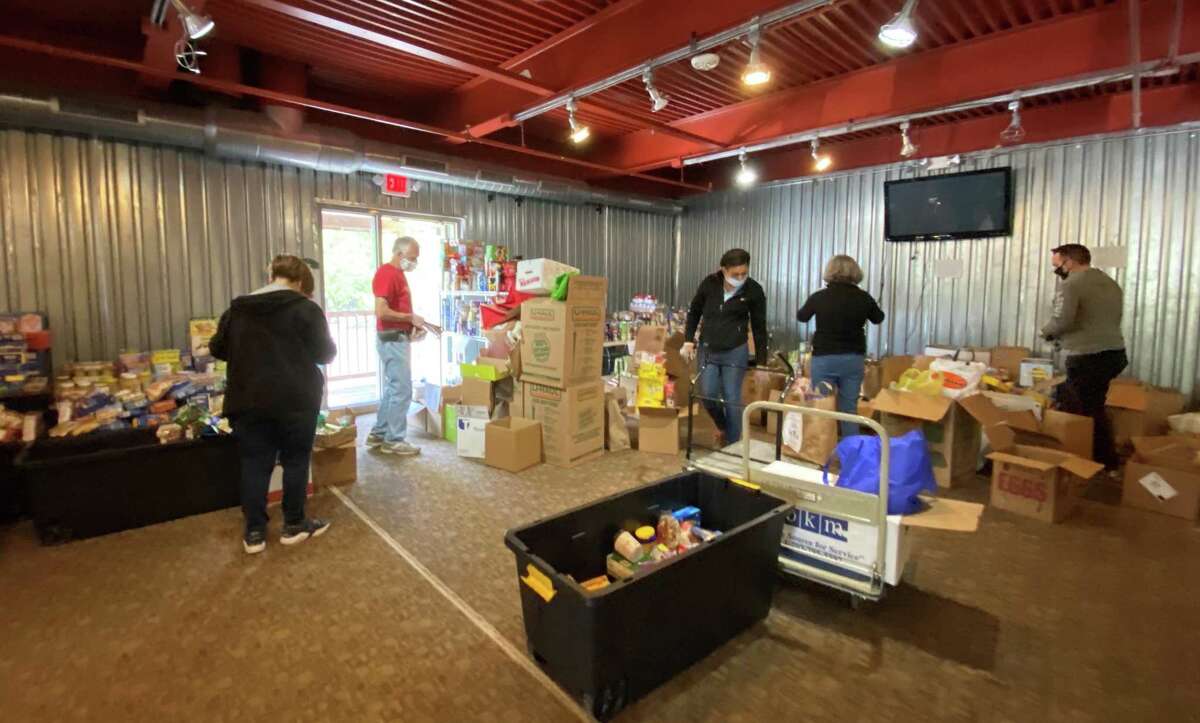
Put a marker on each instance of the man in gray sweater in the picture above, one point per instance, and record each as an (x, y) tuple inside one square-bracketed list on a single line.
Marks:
[(1087, 324)]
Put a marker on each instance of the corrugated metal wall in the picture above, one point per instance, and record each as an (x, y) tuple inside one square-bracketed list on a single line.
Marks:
[(1139, 192), (123, 243)]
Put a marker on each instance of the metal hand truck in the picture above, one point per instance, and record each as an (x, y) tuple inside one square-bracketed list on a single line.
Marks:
[(835, 528)]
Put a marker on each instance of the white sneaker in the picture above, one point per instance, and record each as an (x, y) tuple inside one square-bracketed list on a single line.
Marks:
[(375, 441), (400, 449)]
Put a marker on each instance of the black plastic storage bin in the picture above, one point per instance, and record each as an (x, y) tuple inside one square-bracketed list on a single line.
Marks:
[(615, 645), (102, 483)]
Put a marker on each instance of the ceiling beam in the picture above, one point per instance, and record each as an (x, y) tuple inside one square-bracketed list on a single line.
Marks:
[(238, 89), (1071, 46), (1164, 106), (558, 39), (389, 41), (644, 30), (509, 80)]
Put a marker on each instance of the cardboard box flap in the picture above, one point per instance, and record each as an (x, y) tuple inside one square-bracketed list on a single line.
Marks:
[(1127, 394), (1080, 467), (1038, 464), (661, 412), (1174, 452), (944, 514), (913, 404), (650, 339), (587, 290), (1076, 465)]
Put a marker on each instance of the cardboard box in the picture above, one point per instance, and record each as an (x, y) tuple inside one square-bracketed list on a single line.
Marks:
[(951, 433), (880, 374), (478, 393), (513, 444), (517, 408), (658, 430), (650, 339), (537, 276), (563, 342), (335, 465), (572, 420), (1140, 410), (1033, 371), (1044, 484), (807, 538), (472, 437), (1008, 360), (1164, 476), (1006, 428)]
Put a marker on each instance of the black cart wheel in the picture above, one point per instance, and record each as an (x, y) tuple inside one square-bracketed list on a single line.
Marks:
[(607, 702)]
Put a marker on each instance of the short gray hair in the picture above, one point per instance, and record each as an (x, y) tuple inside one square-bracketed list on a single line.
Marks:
[(402, 244), (843, 269)]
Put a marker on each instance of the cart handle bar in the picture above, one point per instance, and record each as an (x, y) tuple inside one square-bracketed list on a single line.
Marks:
[(885, 448)]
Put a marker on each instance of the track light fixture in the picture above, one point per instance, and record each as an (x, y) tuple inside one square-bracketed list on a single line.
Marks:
[(746, 175), (907, 147), (756, 72), (821, 161), (579, 132), (194, 24), (899, 32), (1015, 132), (658, 101)]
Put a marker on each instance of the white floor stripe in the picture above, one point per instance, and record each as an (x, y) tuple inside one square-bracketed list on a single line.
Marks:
[(517, 656)]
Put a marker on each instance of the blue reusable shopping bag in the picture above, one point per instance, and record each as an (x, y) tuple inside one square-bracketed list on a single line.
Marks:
[(910, 470)]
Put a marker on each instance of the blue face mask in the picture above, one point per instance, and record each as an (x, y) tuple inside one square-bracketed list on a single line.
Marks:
[(735, 283)]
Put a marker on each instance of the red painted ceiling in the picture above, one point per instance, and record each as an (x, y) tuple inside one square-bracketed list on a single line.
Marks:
[(459, 69)]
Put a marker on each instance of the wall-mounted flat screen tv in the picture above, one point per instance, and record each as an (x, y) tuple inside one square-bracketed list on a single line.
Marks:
[(976, 204)]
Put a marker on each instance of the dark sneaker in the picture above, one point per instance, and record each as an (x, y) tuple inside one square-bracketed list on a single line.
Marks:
[(295, 534), (254, 541), (400, 449), (374, 441)]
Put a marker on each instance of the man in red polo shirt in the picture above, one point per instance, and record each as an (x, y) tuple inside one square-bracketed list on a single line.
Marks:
[(397, 327)]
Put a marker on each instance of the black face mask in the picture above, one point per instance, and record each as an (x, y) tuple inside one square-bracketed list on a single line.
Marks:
[(1061, 273)]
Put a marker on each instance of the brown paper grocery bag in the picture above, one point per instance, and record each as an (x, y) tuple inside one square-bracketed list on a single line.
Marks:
[(618, 434), (817, 436)]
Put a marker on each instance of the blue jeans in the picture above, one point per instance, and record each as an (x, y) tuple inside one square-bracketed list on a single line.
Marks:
[(844, 371), (264, 439), (395, 357), (721, 377)]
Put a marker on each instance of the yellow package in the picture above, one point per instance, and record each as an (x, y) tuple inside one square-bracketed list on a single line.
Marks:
[(652, 384), (921, 381)]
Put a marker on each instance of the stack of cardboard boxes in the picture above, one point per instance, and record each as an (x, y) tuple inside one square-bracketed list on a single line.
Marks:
[(1040, 457), (560, 386)]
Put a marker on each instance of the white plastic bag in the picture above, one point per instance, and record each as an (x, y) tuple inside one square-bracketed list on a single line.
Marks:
[(1184, 423), (959, 378)]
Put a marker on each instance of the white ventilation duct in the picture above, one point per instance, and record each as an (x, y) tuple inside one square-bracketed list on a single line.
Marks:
[(245, 136)]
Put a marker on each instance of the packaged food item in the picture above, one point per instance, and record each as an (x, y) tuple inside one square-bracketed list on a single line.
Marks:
[(169, 433), (661, 553), (163, 406), (703, 535), (628, 547), (684, 514), (596, 583), (644, 534), (668, 531)]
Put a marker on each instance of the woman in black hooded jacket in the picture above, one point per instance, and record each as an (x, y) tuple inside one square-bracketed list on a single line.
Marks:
[(274, 341)]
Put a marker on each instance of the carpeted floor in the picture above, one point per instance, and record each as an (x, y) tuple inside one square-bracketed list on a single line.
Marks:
[(1092, 619)]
